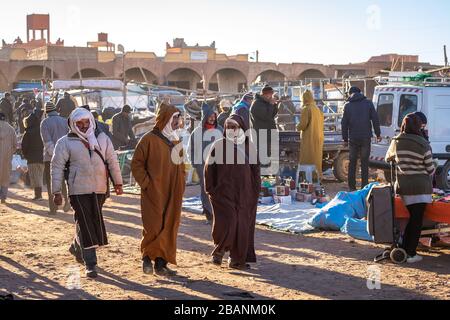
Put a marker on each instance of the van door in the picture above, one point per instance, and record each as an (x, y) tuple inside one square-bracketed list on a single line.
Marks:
[(409, 102), (385, 102)]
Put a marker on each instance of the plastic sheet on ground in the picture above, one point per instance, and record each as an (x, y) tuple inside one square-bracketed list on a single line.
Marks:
[(345, 213), (346, 205), (290, 218)]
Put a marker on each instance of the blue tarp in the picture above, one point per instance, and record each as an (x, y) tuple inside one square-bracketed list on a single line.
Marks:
[(27, 86), (357, 229), (344, 207)]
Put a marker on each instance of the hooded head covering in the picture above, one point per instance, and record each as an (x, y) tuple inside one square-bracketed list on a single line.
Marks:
[(164, 119), (207, 111), (308, 99), (236, 137), (89, 137)]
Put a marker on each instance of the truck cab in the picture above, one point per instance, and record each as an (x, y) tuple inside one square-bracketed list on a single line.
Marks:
[(394, 101)]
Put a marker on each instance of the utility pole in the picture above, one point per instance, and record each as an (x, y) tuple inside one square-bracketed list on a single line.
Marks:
[(121, 49), (445, 56), (257, 56)]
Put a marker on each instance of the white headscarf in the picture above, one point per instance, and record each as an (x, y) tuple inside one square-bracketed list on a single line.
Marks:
[(82, 114), (168, 132)]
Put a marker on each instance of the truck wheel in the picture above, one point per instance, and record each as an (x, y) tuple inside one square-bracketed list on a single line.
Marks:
[(340, 167), (442, 178)]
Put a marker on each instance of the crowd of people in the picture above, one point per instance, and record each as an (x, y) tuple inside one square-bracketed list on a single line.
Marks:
[(74, 153)]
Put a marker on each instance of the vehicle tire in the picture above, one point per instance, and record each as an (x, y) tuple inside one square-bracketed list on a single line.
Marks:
[(340, 167), (442, 178), (399, 256)]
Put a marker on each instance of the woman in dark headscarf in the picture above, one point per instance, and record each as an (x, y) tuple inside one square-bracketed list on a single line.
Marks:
[(233, 183), (414, 160)]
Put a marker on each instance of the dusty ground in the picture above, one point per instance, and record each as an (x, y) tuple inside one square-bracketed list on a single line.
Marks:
[(35, 263)]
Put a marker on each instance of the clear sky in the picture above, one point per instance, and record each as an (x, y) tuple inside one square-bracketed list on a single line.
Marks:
[(316, 31)]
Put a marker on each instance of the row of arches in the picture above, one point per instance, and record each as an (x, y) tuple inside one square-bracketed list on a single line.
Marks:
[(225, 80)]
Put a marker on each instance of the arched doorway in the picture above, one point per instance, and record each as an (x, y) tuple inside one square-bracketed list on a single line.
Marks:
[(141, 75), (184, 78), (89, 74), (228, 80), (35, 73), (311, 74), (271, 76)]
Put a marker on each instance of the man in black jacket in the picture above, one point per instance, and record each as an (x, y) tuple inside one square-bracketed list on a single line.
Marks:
[(359, 117), (122, 129), (65, 106), (263, 112)]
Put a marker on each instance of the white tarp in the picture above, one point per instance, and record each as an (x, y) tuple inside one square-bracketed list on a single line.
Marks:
[(290, 218), (88, 84)]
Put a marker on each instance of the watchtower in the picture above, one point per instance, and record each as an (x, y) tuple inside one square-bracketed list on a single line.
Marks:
[(38, 22)]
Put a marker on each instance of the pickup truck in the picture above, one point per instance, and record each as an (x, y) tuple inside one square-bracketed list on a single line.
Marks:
[(335, 154)]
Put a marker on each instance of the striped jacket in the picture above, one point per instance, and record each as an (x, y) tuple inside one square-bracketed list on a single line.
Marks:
[(414, 159)]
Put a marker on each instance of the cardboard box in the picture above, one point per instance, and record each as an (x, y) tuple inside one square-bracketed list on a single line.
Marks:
[(304, 197), (287, 200), (283, 191)]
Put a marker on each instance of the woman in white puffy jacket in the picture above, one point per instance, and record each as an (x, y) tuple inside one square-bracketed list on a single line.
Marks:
[(90, 158)]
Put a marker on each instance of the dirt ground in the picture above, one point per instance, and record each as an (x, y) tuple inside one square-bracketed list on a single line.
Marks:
[(35, 262)]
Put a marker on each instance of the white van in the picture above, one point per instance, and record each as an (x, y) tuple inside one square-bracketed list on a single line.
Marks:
[(432, 97)]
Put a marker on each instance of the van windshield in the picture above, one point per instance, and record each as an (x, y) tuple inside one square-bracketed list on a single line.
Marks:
[(385, 109)]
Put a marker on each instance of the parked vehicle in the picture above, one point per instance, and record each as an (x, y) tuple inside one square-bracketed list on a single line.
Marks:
[(432, 97)]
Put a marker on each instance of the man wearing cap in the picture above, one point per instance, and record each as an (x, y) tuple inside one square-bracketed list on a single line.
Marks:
[(359, 118), (8, 146), (122, 129), (263, 112), (53, 128), (243, 107), (65, 106)]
